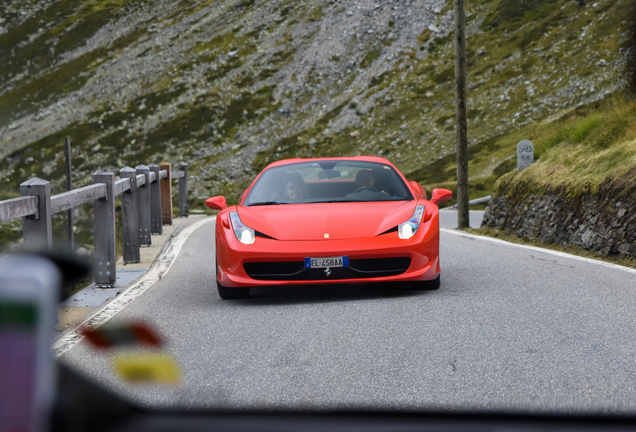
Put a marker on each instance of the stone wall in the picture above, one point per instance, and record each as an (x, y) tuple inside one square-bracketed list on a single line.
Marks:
[(592, 222)]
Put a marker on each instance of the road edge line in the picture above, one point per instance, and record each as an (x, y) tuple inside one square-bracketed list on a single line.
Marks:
[(159, 268), (539, 249)]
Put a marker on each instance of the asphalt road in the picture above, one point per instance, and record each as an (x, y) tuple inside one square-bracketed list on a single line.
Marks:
[(448, 218), (510, 329)]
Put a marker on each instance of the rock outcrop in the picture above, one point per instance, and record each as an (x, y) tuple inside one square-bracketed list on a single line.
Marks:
[(604, 222)]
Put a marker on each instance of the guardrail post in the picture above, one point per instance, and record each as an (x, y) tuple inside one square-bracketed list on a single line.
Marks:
[(166, 195), (104, 231), (130, 217), (184, 210), (156, 226), (143, 200), (37, 229)]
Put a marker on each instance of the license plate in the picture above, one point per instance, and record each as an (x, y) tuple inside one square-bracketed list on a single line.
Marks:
[(339, 261)]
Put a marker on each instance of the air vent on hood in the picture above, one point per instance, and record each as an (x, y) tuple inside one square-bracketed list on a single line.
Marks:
[(394, 229), (260, 234)]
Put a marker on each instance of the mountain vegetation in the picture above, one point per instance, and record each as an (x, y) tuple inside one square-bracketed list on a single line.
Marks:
[(231, 85)]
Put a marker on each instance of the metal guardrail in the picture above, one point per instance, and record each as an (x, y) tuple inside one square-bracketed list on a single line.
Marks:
[(473, 202), (18, 207), (146, 198), (76, 197)]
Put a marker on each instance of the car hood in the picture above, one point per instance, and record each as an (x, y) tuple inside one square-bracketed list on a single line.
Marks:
[(316, 221)]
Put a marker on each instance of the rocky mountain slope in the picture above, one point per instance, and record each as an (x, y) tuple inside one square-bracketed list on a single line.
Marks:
[(230, 85)]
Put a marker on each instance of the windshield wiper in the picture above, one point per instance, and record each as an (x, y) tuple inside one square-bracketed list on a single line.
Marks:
[(333, 201), (264, 203), (354, 201)]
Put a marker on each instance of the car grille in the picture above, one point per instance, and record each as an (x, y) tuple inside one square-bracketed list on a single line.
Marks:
[(357, 269)]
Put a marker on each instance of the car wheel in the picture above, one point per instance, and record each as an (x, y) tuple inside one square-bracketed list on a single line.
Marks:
[(427, 285), (232, 293)]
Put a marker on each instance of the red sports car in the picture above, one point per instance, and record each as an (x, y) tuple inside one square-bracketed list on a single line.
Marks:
[(327, 221)]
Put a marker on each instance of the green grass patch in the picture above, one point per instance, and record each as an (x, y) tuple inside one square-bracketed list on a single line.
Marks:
[(512, 14), (30, 97), (368, 59), (437, 43), (445, 76), (585, 148), (285, 11), (66, 25), (580, 152), (150, 103), (495, 157), (424, 36), (48, 153), (316, 14)]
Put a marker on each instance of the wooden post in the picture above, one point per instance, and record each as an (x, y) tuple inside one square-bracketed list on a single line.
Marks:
[(143, 199), (166, 195), (130, 217), (184, 210), (37, 229), (69, 187), (104, 232), (461, 124), (156, 226)]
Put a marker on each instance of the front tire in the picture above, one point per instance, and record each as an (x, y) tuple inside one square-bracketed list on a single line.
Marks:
[(227, 293), (427, 285)]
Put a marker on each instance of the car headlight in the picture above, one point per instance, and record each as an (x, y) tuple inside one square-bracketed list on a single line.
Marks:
[(408, 229), (243, 234)]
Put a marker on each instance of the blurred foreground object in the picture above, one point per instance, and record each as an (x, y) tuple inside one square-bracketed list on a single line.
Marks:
[(117, 335), (29, 293), (135, 350), (147, 368)]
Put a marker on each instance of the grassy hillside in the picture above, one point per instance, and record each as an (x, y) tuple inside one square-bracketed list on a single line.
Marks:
[(593, 146), (578, 197), (579, 150), (232, 85)]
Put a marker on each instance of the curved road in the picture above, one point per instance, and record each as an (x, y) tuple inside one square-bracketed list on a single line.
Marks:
[(511, 328)]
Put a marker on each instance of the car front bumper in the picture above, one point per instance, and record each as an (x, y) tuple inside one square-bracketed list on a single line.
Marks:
[(422, 250)]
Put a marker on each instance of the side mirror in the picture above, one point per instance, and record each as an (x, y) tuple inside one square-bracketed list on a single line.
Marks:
[(418, 189), (216, 203), (441, 195)]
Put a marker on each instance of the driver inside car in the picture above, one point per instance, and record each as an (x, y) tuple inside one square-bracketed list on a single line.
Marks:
[(366, 180)]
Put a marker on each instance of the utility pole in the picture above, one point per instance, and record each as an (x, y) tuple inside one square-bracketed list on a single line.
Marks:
[(69, 187), (461, 125)]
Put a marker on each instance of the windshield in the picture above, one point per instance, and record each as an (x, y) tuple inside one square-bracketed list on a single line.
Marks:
[(306, 285), (328, 181)]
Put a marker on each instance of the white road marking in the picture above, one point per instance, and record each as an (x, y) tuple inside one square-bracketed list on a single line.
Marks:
[(542, 250), (160, 267)]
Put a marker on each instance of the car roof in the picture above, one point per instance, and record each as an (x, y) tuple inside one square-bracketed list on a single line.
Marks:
[(356, 158)]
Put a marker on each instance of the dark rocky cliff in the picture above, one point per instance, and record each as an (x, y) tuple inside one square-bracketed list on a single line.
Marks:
[(604, 222)]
